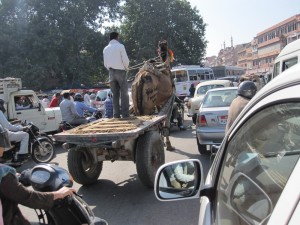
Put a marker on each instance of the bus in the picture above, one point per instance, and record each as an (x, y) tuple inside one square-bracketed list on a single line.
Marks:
[(226, 71), (186, 75)]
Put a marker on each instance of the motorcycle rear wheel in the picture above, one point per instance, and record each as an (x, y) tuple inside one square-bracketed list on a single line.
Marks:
[(43, 152)]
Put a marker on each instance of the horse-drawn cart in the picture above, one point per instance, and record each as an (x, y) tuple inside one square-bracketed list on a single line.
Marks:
[(137, 139)]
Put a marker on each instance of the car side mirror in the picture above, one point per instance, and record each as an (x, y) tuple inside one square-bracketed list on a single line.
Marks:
[(177, 180), (248, 200)]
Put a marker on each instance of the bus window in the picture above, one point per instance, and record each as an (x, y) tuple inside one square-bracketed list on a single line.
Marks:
[(181, 76), (193, 74)]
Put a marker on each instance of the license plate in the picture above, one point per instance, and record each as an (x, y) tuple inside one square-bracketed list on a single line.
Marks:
[(223, 120)]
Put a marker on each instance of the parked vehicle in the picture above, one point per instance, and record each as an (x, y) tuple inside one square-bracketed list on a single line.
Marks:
[(212, 117), (46, 119), (186, 75), (254, 178), (288, 57), (193, 104), (227, 71), (70, 210), (40, 146)]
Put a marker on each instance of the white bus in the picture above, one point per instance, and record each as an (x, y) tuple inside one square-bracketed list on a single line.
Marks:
[(185, 75)]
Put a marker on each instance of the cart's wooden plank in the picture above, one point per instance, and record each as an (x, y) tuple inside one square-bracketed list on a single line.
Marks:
[(109, 129)]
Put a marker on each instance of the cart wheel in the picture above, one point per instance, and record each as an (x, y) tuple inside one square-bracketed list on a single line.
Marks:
[(149, 156), (82, 167)]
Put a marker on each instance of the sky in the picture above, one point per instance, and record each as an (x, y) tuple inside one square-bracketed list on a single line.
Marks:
[(240, 19)]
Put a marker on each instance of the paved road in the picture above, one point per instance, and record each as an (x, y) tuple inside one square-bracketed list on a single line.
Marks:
[(121, 199)]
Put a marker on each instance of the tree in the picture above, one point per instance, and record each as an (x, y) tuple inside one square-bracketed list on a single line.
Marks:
[(54, 41), (146, 22)]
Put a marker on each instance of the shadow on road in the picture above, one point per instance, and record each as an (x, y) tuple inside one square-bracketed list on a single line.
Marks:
[(127, 199)]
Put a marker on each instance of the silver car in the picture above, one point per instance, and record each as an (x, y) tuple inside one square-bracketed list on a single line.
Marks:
[(254, 178), (195, 101), (212, 117)]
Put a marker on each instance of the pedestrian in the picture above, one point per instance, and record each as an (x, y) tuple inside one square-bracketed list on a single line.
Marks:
[(69, 113), (45, 101), (55, 101), (108, 106), (86, 98), (116, 61), (246, 90), (192, 90)]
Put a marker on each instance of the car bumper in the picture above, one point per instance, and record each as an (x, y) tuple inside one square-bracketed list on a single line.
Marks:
[(208, 137)]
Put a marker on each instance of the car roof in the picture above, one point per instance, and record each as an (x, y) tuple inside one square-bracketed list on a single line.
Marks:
[(213, 82), (222, 89)]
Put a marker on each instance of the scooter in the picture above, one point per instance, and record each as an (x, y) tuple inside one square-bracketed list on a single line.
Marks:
[(70, 210), (40, 147)]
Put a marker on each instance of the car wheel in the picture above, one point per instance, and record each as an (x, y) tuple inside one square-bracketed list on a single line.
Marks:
[(202, 148)]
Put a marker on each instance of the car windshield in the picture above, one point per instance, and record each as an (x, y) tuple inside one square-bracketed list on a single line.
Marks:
[(203, 89), (220, 98)]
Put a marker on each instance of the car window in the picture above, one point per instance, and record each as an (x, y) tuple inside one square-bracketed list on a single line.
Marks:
[(203, 89), (259, 160), (276, 69), (220, 98), (289, 63)]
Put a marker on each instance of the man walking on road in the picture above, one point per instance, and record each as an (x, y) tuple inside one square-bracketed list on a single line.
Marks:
[(116, 61)]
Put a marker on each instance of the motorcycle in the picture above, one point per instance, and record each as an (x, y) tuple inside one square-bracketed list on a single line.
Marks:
[(63, 125), (70, 210), (40, 147)]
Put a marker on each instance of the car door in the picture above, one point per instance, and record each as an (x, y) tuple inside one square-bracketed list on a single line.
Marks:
[(258, 160)]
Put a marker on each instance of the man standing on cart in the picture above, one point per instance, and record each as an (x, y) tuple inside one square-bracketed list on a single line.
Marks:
[(116, 61)]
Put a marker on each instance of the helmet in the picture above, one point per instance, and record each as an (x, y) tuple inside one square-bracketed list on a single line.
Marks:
[(2, 108), (247, 89), (78, 97), (92, 96)]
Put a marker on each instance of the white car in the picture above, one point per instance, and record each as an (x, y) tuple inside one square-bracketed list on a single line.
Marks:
[(254, 178), (194, 103)]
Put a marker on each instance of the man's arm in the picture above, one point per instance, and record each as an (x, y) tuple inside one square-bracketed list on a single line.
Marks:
[(124, 57), (90, 109), (15, 191), (5, 124)]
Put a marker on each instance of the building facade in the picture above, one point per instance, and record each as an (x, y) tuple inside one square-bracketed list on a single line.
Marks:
[(267, 44), (258, 55)]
